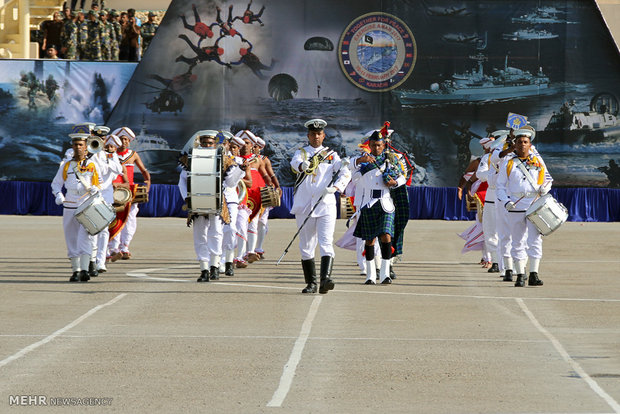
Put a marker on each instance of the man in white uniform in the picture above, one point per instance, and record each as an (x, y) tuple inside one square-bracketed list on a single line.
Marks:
[(522, 179), (79, 176), (320, 173)]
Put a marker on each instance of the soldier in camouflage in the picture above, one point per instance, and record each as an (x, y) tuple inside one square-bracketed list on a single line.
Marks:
[(82, 34), (105, 33), (148, 31), (69, 38), (116, 35), (93, 40)]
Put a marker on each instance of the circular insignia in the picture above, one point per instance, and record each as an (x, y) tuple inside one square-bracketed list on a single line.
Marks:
[(377, 52)]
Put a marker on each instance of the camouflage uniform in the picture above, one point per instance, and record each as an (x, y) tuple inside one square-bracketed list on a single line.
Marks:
[(148, 32), (69, 40), (105, 29), (93, 42), (115, 39), (82, 39)]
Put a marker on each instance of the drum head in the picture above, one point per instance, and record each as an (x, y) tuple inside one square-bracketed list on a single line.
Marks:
[(121, 196)]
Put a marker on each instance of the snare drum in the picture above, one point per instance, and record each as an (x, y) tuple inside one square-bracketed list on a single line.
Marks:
[(140, 194), (346, 208), (269, 196), (95, 214), (204, 181), (547, 214)]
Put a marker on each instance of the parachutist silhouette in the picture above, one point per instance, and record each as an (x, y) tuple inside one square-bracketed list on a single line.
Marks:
[(200, 28), (203, 54), (226, 29), (249, 17), (253, 62)]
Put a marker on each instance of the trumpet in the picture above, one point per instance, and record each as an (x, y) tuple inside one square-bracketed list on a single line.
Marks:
[(94, 144)]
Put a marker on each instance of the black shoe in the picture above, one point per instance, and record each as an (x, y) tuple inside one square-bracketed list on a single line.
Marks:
[(230, 269), (533, 280), (369, 282), (520, 282), (327, 283), (392, 274), (92, 270), (508, 276), (309, 275), (494, 268), (75, 277), (215, 273), (204, 276), (387, 281), (84, 276)]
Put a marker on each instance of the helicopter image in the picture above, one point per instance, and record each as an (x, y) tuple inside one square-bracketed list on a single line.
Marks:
[(166, 100)]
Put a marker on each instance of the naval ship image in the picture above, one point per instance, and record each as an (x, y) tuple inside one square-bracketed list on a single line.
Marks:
[(599, 124), (475, 86), (153, 149), (543, 15), (529, 34)]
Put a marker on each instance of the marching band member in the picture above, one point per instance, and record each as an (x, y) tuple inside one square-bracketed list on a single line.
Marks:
[(207, 227), (119, 246), (114, 169), (231, 195), (264, 217), (522, 178), (380, 172), (487, 172), (320, 173), (79, 176)]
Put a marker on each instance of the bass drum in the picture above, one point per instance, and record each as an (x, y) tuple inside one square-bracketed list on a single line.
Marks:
[(547, 214), (95, 214), (204, 181)]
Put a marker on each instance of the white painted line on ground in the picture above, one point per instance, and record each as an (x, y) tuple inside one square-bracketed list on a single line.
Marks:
[(289, 369), (574, 365), (374, 290), (59, 332)]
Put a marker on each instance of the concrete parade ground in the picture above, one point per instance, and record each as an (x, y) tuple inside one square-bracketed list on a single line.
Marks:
[(445, 337)]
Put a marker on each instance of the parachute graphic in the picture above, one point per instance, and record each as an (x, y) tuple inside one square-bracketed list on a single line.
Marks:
[(282, 86), (317, 57), (319, 43)]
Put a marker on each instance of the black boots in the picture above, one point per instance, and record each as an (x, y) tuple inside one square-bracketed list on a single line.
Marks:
[(84, 276), (204, 276), (309, 276), (230, 269), (494, 268), (215, 273), (75, 277), (92, 270), (508, 276), (534, 280), (520, 282), (326, 270)]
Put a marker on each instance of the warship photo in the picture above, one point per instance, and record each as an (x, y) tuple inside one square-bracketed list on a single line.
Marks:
[(153, 149), (529, 34), (475, 86), (543, 15), (599, 124)]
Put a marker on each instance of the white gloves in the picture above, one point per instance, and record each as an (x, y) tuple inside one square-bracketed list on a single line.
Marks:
[(304, 165), (60, 199), (510, 206), (543, 189), (329, 190), (93, 190)]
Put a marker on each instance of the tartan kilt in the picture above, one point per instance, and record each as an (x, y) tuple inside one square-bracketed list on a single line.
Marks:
[(400, 196), (373, 222)]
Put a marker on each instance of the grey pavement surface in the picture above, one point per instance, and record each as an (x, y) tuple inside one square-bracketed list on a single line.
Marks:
[(446, 337)]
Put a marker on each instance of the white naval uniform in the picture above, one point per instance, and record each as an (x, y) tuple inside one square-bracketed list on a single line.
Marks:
[(488, 171), (110, 168), (320, 226), (79, 242), (504, 238), (513, 186), (208, 232), (233, 177)]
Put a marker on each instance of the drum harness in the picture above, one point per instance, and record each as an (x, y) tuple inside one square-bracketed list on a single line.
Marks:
[(529, 178)]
